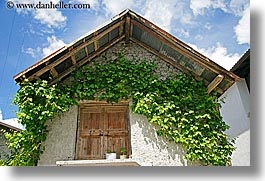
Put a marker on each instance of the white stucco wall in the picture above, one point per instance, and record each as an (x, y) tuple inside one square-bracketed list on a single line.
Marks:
[(241, 157), (236, 113), (61, 139), (149, 149)]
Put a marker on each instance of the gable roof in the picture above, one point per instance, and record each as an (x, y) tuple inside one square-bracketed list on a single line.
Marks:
[(129, 26)]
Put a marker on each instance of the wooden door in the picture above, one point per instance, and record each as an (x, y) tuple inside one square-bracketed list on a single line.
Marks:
[(102, 128)]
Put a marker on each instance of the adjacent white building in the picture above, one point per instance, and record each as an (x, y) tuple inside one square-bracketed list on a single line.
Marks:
[(236, 111)]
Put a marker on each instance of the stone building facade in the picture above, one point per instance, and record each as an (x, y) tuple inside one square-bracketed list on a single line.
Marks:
[(147, 148), (139, 40)]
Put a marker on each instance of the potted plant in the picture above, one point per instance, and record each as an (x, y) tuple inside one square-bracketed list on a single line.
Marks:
[(111, 155), (123, 153)]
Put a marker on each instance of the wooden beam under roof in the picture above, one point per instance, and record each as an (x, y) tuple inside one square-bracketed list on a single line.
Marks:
[(73, 59), (87, 59), (127, 28), (216, 81), (96, 43), (53, 72), (86, 50), (121, 29), (73, 51), (187, 53)]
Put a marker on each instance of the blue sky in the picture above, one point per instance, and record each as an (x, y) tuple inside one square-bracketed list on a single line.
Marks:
[(219, 29)]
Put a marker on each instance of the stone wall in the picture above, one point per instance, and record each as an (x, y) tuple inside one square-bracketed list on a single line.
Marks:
[(148, 149), (4, 151), (136, 53)]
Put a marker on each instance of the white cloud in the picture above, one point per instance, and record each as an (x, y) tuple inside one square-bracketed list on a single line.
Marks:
[(159, 12), (238, 7), (32, 52), (198, 37), (208, 26), (114, 7), (199, 6), (235, 7), (221, 4), (219, 55), (186, 18), (164, 12), (54, 44), (50, 17), (242, 29), (53, 18), (182, 32)]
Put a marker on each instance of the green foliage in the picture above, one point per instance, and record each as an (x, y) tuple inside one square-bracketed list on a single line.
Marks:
[(123, 151), (37, 103), (179, 105)]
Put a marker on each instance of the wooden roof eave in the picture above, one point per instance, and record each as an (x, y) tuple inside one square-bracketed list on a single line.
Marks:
[(69, 54), (126, 21), (43, 61), (183, 48), (87, 59), (174, 64), (10, 126)]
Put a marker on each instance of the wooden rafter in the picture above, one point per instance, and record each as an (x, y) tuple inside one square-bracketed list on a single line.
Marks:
[(216, 81), (73, 51), (96, 43), (84, 61), (187, 53), (121, 30), (86, 50), (127, 27), (54, 73), (73, 59)]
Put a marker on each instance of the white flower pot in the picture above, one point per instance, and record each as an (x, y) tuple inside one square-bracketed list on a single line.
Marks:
[(111, 156), (122, 157)]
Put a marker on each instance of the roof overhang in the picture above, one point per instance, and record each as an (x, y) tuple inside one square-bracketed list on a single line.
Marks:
[(242, 67), (8, 126), (129, 26)]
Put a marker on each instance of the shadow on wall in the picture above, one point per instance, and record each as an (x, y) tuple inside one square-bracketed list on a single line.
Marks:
[(149, 132)]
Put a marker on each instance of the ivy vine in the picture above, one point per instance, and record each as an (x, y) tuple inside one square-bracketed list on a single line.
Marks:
[(179, 105)]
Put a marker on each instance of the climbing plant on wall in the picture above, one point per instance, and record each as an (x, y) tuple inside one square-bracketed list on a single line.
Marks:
[(178, 104)]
